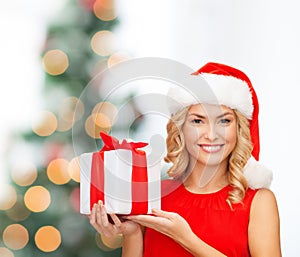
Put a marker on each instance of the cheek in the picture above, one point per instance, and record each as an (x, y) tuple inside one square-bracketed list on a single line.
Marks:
[(231, 136), (191, 134)]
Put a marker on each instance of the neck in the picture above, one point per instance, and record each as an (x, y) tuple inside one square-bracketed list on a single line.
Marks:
[(203, 179)]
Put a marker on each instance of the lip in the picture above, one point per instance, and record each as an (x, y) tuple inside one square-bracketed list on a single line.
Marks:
[(208, 148)]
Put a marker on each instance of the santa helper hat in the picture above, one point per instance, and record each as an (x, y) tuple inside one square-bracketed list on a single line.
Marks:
[(233, 88)]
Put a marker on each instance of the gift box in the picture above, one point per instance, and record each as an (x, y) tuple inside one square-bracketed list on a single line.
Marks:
[(120, 176)]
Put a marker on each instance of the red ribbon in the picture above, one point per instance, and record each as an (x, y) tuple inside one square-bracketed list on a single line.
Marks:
[(111, 143), (139, 185)]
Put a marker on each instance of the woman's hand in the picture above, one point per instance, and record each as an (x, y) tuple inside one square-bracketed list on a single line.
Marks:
[(99, 220), (177, 228), (168, 223)]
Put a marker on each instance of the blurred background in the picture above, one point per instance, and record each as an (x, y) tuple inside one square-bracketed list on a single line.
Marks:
[(50, 52)]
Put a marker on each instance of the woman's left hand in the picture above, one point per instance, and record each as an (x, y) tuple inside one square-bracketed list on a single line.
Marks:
[(168, 223)]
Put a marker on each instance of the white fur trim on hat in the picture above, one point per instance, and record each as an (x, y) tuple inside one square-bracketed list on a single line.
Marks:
[(257, 175), (227, 90)]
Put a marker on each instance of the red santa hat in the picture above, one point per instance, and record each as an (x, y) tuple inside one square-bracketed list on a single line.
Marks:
[(232, 88)]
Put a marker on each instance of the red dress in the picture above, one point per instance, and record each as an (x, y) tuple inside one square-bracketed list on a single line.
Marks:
[(210, 218)]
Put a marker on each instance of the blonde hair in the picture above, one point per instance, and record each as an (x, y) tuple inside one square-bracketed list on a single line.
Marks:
[(178, 154), (176, 150)]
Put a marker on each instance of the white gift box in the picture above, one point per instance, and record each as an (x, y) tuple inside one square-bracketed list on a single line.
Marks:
[(123, 179)]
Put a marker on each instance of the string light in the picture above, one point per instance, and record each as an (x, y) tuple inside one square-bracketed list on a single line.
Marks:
[(57, 171), (44, 124), (74, 169), (107, 109), (105, 10), (8, 197), (18, 212), (24, 173), (103, 43), (91, 127), (37, 199), (100, 244), (4, 252), (47, 238), (112, 242), (15, 236), (55, 62), (117, 58)]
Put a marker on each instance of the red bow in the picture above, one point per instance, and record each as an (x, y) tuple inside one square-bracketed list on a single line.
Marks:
[(111, 143)]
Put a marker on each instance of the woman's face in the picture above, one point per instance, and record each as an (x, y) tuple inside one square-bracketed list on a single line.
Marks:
[(210, 133)]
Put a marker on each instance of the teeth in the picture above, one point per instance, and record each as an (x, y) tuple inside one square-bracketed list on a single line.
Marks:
[(211, 148)]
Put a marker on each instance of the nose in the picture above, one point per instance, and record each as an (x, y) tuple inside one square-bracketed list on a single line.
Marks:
[(211, 133)]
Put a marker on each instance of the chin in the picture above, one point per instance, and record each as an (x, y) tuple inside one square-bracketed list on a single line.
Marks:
[(213, 161)]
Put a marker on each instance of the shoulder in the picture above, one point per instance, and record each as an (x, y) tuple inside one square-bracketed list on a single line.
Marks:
[(262, 198), (264, 206), (264, 225)]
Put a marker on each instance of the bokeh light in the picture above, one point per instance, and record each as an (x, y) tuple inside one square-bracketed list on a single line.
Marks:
[(103, 43), (112, 242), (55, 62), (74, 169), (109, 110), (117, 58), (108, 243), (18, 212), (100, 244), (57, 171), (15, 236), (37, 199), (24, 173), (104, 115), (44, 124), (101, 120), (91, 127), (67, 115), (47, 239), (105, 10), (8, 197), (4, 252)]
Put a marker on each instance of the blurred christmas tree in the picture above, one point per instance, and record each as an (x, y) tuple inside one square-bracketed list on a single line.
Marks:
[(39, 213)]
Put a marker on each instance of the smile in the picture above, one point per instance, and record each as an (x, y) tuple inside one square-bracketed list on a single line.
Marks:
[(211, 148)]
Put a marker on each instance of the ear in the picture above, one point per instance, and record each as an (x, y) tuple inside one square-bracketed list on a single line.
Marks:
[(257, 175)]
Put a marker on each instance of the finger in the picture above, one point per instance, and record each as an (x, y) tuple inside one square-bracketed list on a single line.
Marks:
[(163, 214), (93, 215), (103, 215), (116, 220), (108, 228), (146, 220), (93, 219)]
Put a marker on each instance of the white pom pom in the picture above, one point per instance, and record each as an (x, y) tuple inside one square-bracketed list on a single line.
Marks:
[(257, 175)]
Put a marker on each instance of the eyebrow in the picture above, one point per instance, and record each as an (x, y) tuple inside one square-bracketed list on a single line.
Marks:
[(204, 117)]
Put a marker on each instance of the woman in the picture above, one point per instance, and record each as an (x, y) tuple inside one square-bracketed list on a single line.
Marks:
[(219, 206)]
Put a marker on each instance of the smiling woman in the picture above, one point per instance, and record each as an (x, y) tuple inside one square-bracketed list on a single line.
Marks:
[(210, 136), (215, 210)]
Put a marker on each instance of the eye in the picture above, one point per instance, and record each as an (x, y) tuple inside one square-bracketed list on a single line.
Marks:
[(197, 121), (225, 121)]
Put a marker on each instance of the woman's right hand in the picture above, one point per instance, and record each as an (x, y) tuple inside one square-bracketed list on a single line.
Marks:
[(99, 220)]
